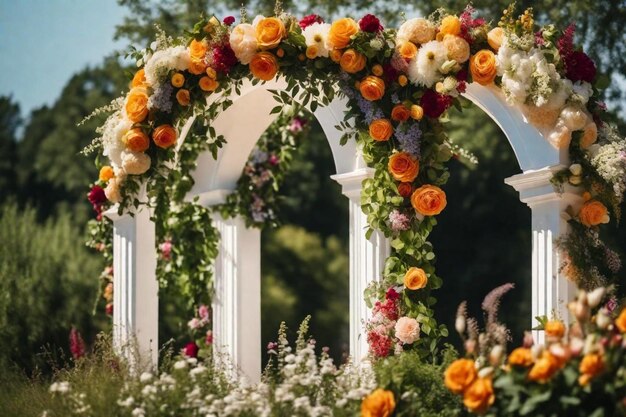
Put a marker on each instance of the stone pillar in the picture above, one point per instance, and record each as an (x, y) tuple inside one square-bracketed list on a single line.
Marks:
[(367, 259), (237, 301), (551, 290), (136, 290)]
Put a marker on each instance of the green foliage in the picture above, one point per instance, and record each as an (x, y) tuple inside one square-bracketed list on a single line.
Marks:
[(47, 282), (10, 121), (418, 386)]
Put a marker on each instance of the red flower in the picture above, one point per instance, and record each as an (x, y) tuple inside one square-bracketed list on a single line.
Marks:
[(435, 104), (370, 23), (77, 344), (224, 58), (109, 309), (468, 23), (390, 73), (380, 344), (229, 20), (579, 67), (392, 294), (97, 198), (309, 20), (191, 350)]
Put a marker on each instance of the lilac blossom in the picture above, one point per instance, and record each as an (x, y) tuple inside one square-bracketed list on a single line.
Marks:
[(399, 221), (409, 139), (162, 98)]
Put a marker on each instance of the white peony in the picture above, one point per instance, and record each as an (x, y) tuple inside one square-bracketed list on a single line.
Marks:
[(317, 35), (162, 62), (113, 131), (416, 30), (243, 42), (112, 190), (135, 163), (424, 68)]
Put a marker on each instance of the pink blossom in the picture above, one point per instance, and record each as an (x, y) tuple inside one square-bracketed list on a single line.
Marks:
[(194, 324), (166, 250), (273, 160), (209, 338), (399, 221), (203, 312), (297, 124), (191, 350)]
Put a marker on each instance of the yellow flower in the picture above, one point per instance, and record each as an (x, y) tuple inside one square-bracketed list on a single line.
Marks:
[(555, 329), (495, 37), (211, 73), (136, 140), (521, 357), (197, 49), (407, 49), (178, 80), (269, 32), (402, 80), (352, 61), (106, 173), (137, 104), (415, 278), (183, 98), (311, 51), (592, 365), (208, 84), (139, 80), (379, 403), (450, 25), (544, 368), (341, 32), (620, 321), (377, 70), (417, 112)]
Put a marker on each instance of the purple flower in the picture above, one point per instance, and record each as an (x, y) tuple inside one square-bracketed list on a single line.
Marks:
[(162, 97), (409, 139)]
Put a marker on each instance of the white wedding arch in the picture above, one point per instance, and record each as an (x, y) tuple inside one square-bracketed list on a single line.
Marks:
[(237, 304)]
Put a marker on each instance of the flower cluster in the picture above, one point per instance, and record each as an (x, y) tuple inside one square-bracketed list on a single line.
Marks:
[(585, 359), (201, 334)]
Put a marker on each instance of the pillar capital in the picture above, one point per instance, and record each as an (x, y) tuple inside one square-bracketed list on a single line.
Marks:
[(352, 182)]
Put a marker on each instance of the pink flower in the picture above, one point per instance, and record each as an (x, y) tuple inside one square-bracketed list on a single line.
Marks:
[(309, 20), (273, 160), (370, 23), (399, 221), (209, 338), (203, 312), (297, 124), (166, 250), (229, 20), (191, 350), (97, 198), (77, 344), (407, 330), (194, 323)]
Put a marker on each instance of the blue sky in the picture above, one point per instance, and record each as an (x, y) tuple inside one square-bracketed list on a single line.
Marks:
[(44, 42)]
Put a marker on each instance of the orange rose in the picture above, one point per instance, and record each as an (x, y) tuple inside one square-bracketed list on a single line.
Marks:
[(351, 61), (450, 25), (106, 173), (400, 113), (379, 403), (178, 80), (405, 189), (483, 67), (136, 140), (197, 49), (269, 32), (183, 98), (372, 88), (544, 368), (591, 366), (378, 70), (211, 73), (164, 136), (137, 104), (341, 32), (208, 84), (417, 112), (402, 80), (460, 375), (555, 329), (381, 130), (407, 49), (620, 321), (479, 396), (264, 66), (593, 213), (429, 200), (521, 357), (403, 167), (335, 55), (415, 278), (139, 79), (197, 66)]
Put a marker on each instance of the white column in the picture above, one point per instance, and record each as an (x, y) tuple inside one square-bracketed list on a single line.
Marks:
[(237, 302), (551, 290), (367, 259), (136, 290)]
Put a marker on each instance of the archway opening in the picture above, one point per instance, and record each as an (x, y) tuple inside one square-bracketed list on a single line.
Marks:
[(304, 256), (483, 238)]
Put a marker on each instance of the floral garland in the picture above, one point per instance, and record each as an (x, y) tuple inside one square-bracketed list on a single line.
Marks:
[(399, 84)]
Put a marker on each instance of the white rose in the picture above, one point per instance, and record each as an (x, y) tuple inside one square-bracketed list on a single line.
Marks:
[(243, 42), (416, 30), (135, 163)]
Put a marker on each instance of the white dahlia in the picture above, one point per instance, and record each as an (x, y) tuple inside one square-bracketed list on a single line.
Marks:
[(317, 35), (162, 62), (424, 68)]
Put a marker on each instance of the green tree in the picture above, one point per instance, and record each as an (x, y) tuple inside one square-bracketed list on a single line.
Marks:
[(10, 121)]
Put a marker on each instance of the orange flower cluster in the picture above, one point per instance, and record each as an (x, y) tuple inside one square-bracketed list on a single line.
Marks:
[(461, 377)]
